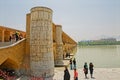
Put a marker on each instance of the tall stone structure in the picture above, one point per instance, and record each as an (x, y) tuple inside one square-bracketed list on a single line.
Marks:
[(59, 46), (41, 43)]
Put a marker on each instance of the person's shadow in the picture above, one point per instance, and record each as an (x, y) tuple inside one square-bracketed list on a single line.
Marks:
[(93, 77), (87, 78)]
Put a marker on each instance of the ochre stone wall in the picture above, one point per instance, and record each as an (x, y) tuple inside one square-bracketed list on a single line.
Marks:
[(6, 32), (26, 60), (12, 56), (28, 16), (68, 43), (54, 32)]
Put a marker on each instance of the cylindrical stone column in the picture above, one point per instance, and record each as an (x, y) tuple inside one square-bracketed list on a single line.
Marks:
[(41, 43), (59, 46)]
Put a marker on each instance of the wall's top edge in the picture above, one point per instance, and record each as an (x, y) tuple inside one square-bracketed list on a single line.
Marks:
[(13, 44)]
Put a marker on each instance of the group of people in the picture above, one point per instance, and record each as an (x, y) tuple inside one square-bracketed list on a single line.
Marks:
[(90, 69), (15, 37), (73, 67), (72, 64), (67, 74)]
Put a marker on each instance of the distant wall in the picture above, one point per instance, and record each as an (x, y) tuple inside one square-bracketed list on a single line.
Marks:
[(6, 32)]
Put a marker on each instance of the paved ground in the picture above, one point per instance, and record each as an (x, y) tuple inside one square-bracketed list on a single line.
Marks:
[(99, 74)]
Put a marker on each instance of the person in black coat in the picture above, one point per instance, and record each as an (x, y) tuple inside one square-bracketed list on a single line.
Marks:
[(74, 63), (71, 64), (66, 74), (91, 69)]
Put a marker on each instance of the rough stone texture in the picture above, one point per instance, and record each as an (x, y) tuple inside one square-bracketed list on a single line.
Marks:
[(41, 43), (59, 46)]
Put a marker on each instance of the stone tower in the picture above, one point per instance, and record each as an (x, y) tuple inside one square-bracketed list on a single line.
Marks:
[(41, 43), (59, 46)]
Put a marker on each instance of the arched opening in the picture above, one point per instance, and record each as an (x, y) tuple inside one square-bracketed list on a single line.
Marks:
[(8, 69), (9, 64)]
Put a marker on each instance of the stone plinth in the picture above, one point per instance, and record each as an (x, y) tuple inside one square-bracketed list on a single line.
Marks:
[(41, 43)]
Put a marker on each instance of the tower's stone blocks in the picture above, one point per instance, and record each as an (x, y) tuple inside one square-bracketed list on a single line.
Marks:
[(59, 46), (41, 42)]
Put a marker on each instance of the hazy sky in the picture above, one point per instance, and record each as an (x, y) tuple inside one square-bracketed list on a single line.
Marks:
[(81, 19)]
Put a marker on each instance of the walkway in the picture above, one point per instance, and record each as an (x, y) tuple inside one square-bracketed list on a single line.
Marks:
[(99, 74), (2, 44)]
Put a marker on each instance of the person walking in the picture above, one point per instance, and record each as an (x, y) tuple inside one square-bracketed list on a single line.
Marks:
[(75, 74), (16, 36), (71, 64), (91, 69), (85, 69), (66, 74), (74, 63), (10, 38)]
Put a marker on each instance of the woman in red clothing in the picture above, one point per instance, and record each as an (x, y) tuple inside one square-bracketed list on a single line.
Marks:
[(75, 74)]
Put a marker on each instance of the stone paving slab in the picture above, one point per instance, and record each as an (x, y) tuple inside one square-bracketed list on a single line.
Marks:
[(99, 74)]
